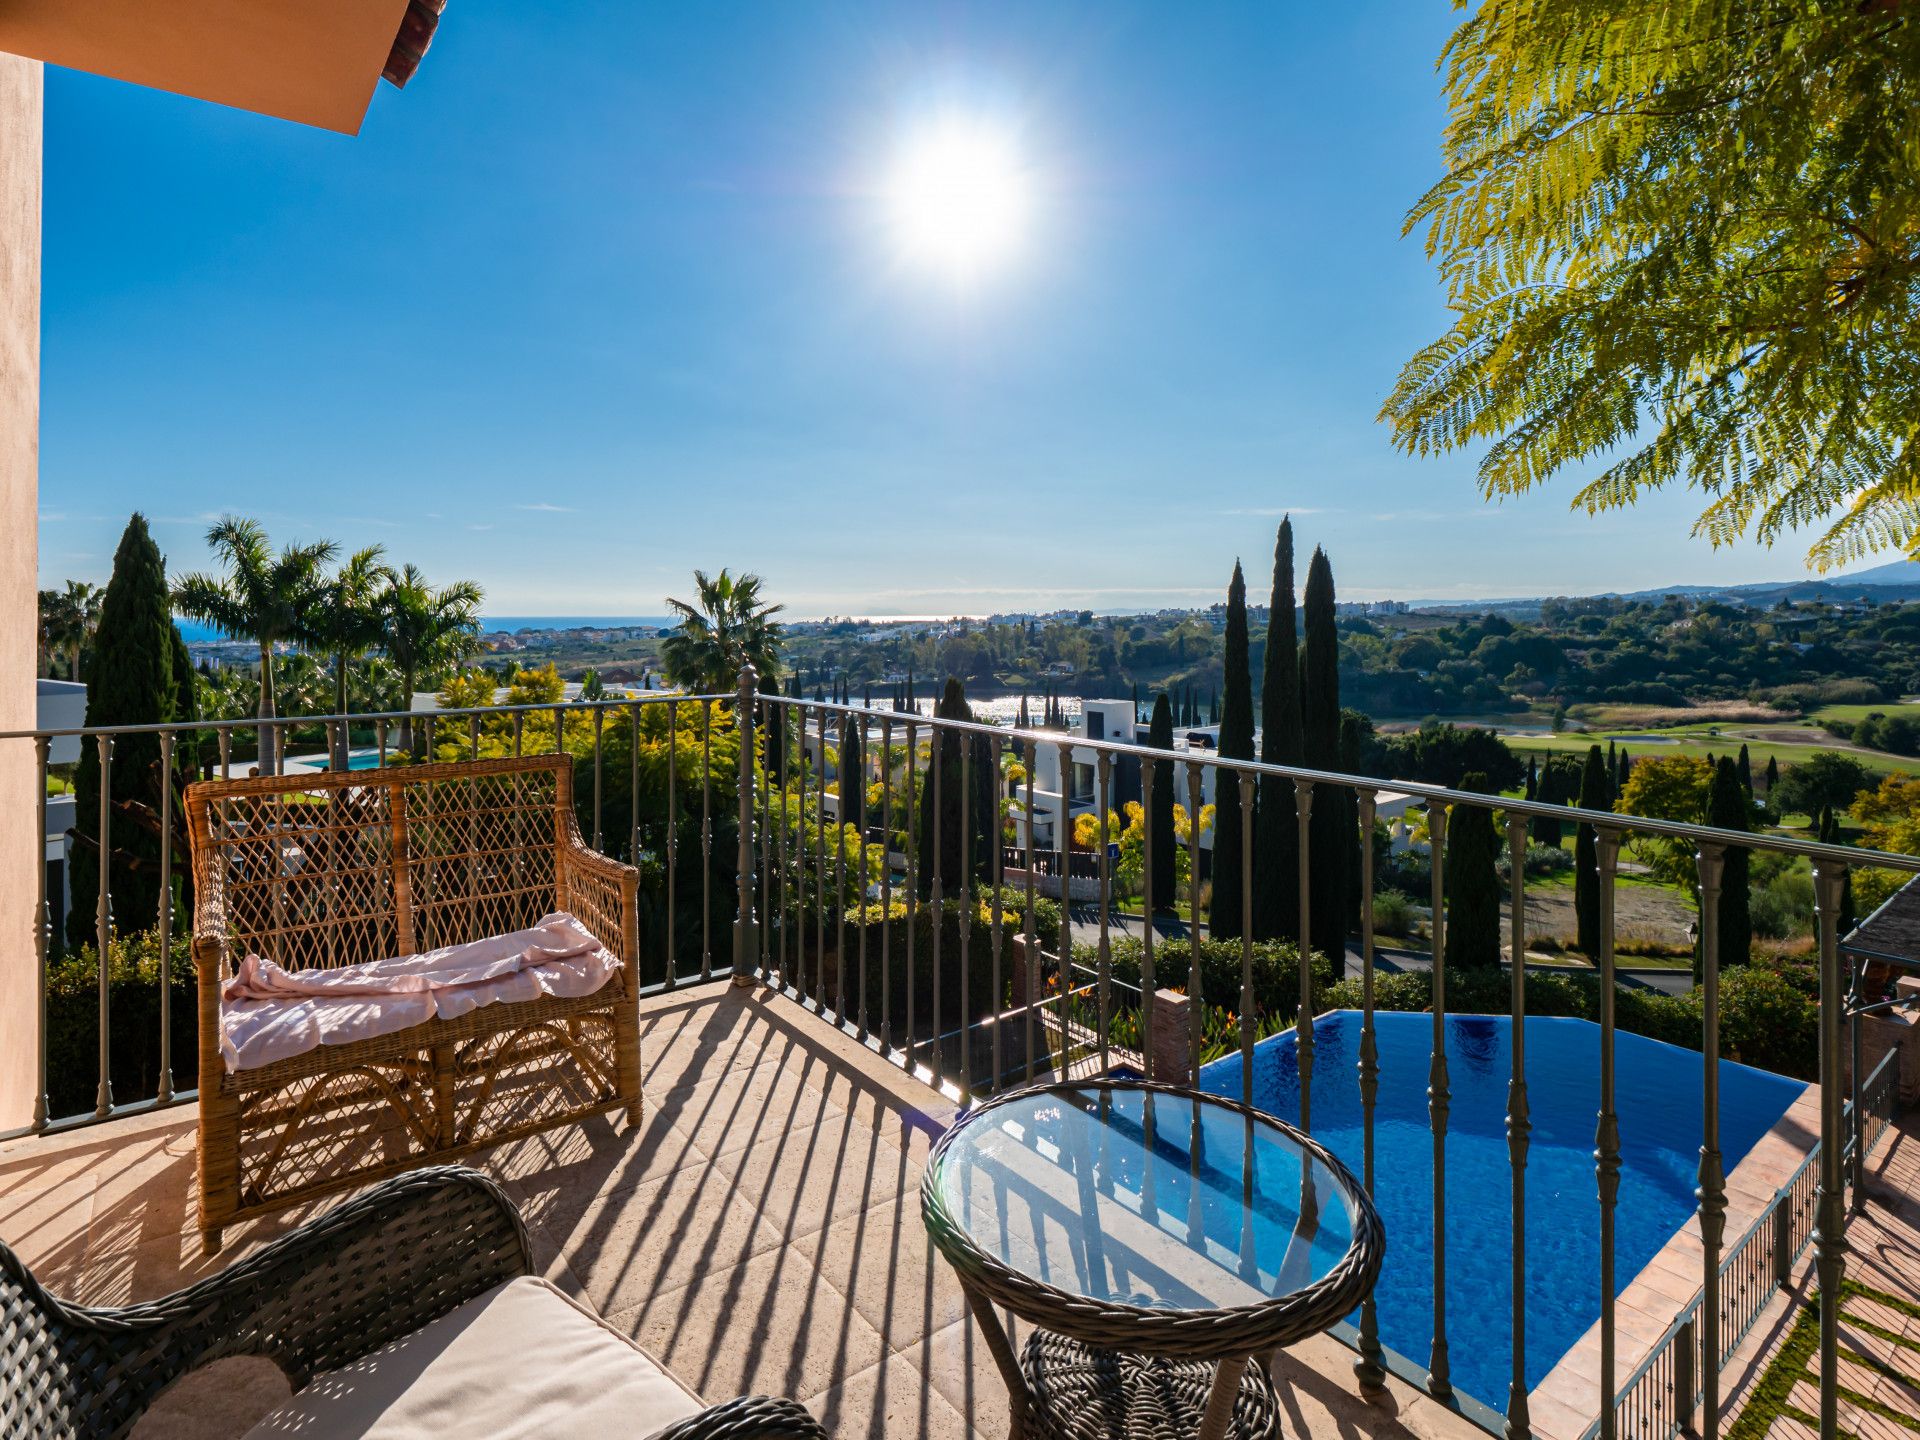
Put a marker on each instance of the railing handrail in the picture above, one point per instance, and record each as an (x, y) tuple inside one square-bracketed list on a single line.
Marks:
[(364, 717), (1604, 819)]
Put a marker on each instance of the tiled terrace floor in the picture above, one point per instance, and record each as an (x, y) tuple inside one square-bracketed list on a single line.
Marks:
[(760, 1233)]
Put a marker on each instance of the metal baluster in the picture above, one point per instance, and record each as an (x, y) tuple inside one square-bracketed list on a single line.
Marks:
[(999, 835), (778, 716), (966, 913), (1606, 1135), (599, 725), (1830, 1233), (865, 763), (1248, 790), (1711, 863), (706, 839), (743, 918), (766, 712), (1032, 966), (103, 926), (913, 886), (426, 734), (1196, 987), (840, 880), (886, 885), (1303, 1018), (1105, 952), (936, 767), (633, 779), (1519, 1124), (820, 861), (473, 748), (1369, 1369), (226, 753), (1147, 768), (1439, 1098), (380, 738), (42, 934), (671, 942), (165, 1093), (519, 734), (559, 728)]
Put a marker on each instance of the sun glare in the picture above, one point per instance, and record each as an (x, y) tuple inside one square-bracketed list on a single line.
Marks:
[(959, 198)]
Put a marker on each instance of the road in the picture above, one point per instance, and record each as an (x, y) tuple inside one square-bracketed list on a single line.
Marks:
[(1086, 931)]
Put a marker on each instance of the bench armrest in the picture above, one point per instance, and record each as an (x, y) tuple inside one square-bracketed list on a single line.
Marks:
[(603, 894)]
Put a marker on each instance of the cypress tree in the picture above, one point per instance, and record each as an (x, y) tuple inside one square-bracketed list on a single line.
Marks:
[(1773, 776), (1160, 813), (1213, 708), (1224, 919), (1595, 794), (1473, 884), (130, 681), (1729, 807), (853, 774), (1746, 773), (1533, 777), (1613, 765), (956, 852), (1328, 826), (1136, 702), (1626, 771), (1276, 840)]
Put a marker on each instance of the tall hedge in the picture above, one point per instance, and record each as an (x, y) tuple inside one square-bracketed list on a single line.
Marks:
[(1473, 885), (1596, 793)]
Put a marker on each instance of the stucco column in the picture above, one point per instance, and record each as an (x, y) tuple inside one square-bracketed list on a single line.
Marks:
[(21, 849)]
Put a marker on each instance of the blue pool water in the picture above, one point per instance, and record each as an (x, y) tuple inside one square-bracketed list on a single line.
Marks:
[(1657, 1097)]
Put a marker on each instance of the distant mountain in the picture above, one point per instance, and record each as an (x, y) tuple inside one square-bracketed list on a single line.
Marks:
[(1894, 583)]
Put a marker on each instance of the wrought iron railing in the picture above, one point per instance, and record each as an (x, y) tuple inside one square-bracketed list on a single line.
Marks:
[(916, 945), (1658, 1400)]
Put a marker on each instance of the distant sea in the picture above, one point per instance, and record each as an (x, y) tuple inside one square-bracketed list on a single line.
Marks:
[(195, 633)]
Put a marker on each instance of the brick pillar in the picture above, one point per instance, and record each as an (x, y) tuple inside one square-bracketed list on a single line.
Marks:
[(1170, 1046)]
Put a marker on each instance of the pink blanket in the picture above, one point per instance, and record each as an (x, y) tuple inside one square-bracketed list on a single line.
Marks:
[(268, 1013)]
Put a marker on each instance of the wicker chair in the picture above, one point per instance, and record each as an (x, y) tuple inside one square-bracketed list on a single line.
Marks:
[(370, 1272), (349, 866)]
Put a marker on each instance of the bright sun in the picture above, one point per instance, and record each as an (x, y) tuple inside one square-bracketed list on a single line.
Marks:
[(959, 198)]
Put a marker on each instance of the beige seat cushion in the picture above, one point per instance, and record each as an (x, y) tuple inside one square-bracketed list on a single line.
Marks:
[(520, 1362)]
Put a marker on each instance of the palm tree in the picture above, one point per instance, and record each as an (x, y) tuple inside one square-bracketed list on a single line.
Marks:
[(424, 628), (263, 597), (68, 619), (724, 628), (349, 625)]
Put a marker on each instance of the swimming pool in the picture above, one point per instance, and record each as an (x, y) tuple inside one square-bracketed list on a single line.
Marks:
[(1657, 1097)]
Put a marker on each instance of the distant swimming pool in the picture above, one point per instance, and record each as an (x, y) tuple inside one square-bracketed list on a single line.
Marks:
[(1657, 1097)]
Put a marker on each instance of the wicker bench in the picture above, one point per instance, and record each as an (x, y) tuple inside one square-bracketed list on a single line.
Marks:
[(350, 866), (366, 1308)]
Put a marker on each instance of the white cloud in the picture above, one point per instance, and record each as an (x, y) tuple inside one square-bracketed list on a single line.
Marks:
[(545, 509)]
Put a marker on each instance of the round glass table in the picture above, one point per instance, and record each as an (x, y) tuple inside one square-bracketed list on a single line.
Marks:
[(1158, 1240)]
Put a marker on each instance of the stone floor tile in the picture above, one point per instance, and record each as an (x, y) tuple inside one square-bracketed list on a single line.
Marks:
[(882, 1259), (659, 1236), (804, 1180), (743, 1107), (888, 1401), (770, 1326)]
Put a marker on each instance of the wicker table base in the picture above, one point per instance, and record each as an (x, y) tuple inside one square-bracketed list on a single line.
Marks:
[(1080, 1393)]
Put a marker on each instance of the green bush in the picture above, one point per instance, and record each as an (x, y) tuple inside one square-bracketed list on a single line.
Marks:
[(1394, 914), (133, 1022), (1769, 1010), (1276, 972)]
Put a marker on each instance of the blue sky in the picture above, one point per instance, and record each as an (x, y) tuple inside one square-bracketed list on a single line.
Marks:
[(608, 294)]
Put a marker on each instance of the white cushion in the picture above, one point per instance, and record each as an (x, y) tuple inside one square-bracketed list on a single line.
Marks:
[(521, 1362)]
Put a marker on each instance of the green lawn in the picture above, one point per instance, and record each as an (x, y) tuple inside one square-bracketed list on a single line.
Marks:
[(1696, 741)]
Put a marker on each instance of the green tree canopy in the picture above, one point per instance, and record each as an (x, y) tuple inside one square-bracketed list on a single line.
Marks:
[(1682, 241), (1827, 780), (1473, 884), (723, 627)]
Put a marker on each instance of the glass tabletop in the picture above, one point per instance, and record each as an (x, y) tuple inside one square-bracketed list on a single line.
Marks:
[(1123, 1195)]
